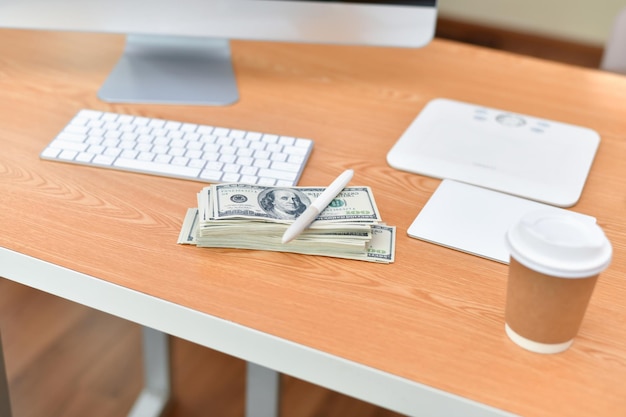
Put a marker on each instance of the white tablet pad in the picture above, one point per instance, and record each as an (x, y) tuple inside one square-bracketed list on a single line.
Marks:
[(473, 219), (542, 160)]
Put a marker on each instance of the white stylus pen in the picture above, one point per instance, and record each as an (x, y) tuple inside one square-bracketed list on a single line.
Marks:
[(320, 203)]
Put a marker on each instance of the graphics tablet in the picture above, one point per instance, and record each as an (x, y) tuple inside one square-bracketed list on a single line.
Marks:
[(538, 159)]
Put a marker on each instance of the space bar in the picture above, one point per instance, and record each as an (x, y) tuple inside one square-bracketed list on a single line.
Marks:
[(154, 167)]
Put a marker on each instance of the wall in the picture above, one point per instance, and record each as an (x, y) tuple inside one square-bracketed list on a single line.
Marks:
[(584, 21)]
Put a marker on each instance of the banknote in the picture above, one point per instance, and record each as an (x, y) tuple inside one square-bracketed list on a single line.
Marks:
[(382, 246), (373, 243), (189, 228), (255, 217), (283, 205)]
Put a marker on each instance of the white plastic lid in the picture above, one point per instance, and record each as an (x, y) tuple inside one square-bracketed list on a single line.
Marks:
[(559, 244)]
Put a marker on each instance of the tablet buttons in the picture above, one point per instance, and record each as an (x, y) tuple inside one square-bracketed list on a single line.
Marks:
[(510, 120), (481, 115)]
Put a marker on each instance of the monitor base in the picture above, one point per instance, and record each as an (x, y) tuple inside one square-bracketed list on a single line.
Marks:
[(172, 70)]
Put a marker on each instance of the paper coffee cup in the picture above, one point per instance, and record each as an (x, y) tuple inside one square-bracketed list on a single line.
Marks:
[(556, 258)]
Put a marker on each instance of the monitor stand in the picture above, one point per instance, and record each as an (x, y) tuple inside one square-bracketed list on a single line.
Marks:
[(172, 70)]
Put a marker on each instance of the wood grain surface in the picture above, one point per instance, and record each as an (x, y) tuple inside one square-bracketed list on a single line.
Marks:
[(435, 316)]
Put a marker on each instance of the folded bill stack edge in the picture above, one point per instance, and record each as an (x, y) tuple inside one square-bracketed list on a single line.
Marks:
[(255, 217)]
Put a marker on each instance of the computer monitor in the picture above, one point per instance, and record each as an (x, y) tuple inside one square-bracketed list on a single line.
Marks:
[(177, 51)]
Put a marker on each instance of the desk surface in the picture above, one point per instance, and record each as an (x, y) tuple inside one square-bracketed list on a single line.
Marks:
[(435, 316)]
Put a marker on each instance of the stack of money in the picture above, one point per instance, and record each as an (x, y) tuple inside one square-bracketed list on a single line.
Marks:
[(255, 217)]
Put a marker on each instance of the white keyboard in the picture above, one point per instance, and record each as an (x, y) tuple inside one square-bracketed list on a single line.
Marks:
[(180, 150)]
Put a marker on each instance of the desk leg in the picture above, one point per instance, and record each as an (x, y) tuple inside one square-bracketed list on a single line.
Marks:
[(262, 391), (155, 395), (5, 404)]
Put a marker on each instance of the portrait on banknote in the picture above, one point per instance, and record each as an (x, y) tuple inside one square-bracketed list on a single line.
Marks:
[(283, 203)]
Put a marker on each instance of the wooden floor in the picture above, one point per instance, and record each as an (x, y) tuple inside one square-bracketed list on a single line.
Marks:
[(65, 360)]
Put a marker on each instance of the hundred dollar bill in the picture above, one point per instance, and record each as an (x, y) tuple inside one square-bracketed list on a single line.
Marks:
[(283, 205), (189, 229), (382, 247), (378, 247), (229, 229), (205, 204)]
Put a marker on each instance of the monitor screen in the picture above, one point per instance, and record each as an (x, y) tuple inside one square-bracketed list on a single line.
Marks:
[(177, 51)]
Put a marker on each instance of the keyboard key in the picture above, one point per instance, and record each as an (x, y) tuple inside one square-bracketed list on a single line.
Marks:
[(270, 139), (69, 145), (146, 156), (279, 175), (295, 159), (278, 157), (197, 163), (163, 158), (249, 179), (188, 127), (237, 134), (286, 166), (84, 157), (180, 161), (112, 152), (214, 165), (211, 175), (231, 168), (103, 160), (220, 131), (255, 136), (275, 148), (249, 170), (268, 182), (50, 153), (155, 167), (261, 163), (296, 150), (286, 140), (76, 129), (69, 155), (303, 143), (130, 154), (231, 177)]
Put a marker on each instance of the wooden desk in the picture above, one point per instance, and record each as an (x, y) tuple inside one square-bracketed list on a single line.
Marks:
[(377, 332)]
